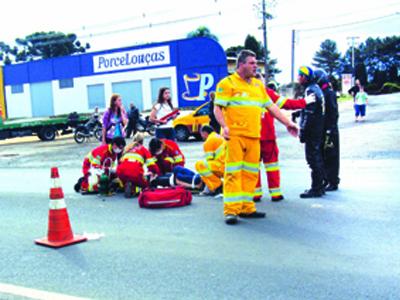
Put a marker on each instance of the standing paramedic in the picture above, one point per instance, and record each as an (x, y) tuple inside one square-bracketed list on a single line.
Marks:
[(240, 99), (269, 146)]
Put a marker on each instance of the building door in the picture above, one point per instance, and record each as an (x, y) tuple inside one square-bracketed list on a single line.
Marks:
[(42, 99), (130, 92)]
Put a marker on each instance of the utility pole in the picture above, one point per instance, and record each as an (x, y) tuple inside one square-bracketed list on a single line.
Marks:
[(352, 38), (293, 48), (264, 26)]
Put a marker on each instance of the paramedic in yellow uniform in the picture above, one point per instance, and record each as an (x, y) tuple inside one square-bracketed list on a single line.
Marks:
[(212, 168), (240, 99)]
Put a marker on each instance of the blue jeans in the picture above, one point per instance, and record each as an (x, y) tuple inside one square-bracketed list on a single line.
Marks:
[(165, 133), (186, 175), (360, 109)]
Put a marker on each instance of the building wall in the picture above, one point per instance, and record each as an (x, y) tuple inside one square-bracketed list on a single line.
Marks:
[(67, 100), (194, 67), (20, 105)]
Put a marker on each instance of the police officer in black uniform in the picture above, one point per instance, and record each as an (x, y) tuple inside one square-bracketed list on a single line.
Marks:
[(330, 151), (311, 132)]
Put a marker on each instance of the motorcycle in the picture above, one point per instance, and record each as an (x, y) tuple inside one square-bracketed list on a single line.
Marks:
[(91, 128), (144, 124)]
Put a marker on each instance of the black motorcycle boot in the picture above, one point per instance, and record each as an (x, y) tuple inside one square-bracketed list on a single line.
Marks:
[(312, 193)]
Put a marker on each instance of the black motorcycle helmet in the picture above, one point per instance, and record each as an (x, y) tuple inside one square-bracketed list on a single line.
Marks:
[(320, 77)]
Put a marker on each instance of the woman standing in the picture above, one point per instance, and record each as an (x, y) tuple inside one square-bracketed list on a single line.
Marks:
[(360, 104), (162, 108), (114, 120)]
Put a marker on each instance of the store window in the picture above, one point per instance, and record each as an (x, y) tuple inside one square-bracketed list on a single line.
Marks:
[(130, 92), (17, 89), (158, 83), (66, 83), (96, 96)]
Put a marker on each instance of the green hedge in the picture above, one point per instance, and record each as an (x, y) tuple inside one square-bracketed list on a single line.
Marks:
[(390, 87)]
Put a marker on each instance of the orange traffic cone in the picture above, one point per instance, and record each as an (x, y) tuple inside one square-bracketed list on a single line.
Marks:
[(59, 229)]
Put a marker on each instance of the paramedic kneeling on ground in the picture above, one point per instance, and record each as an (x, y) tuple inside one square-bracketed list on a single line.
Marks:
[(239, 101)]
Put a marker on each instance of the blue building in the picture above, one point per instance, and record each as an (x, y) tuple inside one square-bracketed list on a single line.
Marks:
[(191, 68)]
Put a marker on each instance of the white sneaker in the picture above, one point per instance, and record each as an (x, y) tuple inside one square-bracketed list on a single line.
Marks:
[(205, 192), (220, 195)]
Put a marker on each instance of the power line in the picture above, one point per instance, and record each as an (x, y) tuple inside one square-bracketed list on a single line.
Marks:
[(124, 20), (351, 23), (331, 17), (346, 25), (150, 25)]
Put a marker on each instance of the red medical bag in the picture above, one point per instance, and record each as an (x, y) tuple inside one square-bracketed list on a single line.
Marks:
[(164, 197)]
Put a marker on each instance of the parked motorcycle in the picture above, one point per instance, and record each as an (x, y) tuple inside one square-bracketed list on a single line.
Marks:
[(144, 124), (91, 128)]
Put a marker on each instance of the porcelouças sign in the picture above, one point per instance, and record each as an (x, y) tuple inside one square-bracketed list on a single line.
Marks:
[(133, 59)]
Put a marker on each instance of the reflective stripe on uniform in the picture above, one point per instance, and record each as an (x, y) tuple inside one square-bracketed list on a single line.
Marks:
[(248, 197), (57, 204), (238, 197), (169, 159), (233, 197), (133, 157), (151, 161), (95, 161), (219, 151), (178, 159), (205, 173), (258, 192), (235, 101), (232, 167), (251, 167), (238, 101), (221, 102), (209, 155), (275, 192), (271, 167), (281, 101)]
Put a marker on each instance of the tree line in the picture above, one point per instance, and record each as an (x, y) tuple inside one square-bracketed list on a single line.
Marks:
[(41, 45), (376, 62)]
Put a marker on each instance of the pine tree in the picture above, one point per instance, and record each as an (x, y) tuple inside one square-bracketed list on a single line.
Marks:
[(328, 58)]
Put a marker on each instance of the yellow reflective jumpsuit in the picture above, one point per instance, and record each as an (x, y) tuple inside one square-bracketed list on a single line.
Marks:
[(242, 104), (211, 169)]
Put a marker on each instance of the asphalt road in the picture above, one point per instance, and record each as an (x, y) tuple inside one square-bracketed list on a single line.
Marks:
[(342, 246)]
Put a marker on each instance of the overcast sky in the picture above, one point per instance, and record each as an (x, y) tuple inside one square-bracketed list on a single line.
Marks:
[(119, 23)]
